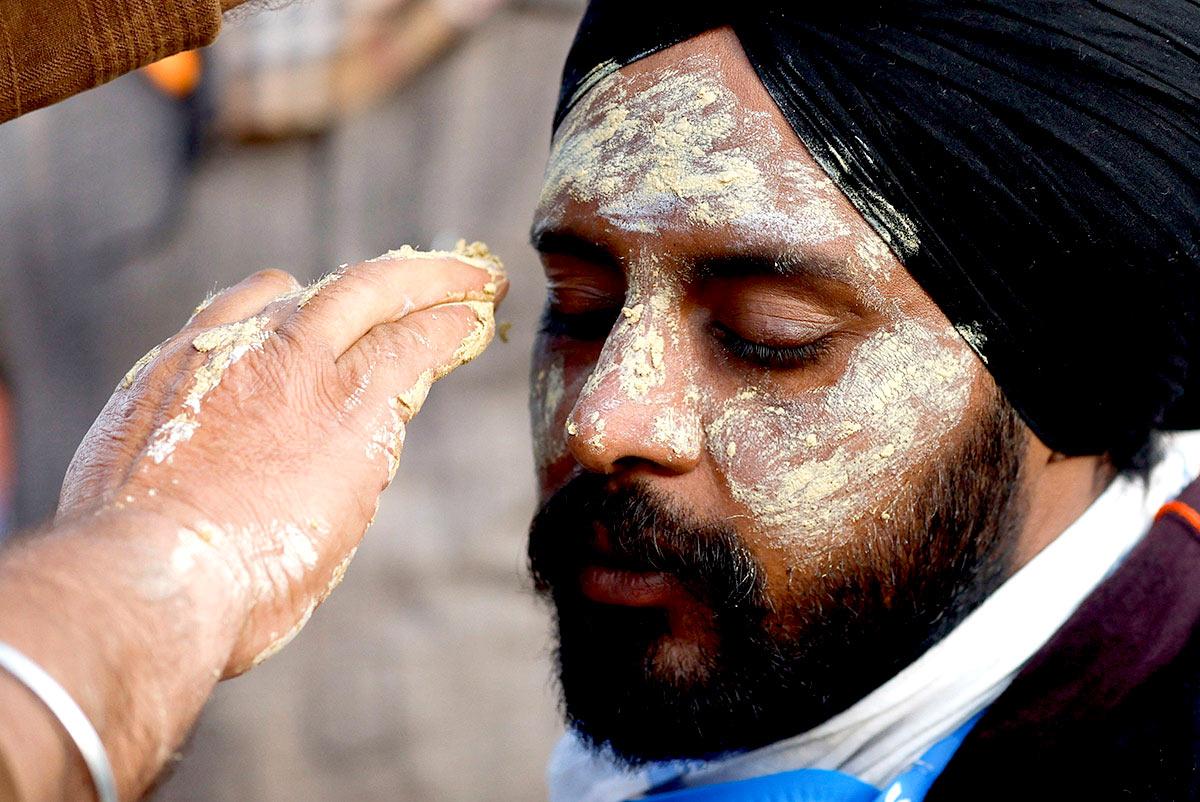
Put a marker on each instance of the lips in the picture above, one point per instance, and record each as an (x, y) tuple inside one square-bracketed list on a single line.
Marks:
[(614, 556), (630, 588), (613, 578)]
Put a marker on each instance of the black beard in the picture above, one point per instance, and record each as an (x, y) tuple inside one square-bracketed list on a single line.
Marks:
[(777, 665)]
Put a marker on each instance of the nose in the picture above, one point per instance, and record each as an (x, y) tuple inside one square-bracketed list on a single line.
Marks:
[(639, 405)]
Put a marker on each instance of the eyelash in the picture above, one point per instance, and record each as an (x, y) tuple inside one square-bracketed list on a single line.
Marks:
[(589, 326), (771, 356)]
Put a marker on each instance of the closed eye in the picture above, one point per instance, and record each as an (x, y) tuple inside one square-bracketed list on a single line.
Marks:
[(777, 357), (584, 326)]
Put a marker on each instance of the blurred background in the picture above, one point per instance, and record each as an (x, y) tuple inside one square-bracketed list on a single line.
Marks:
[(311, 134)]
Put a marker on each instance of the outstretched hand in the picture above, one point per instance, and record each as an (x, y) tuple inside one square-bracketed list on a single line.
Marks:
[(267, 427)]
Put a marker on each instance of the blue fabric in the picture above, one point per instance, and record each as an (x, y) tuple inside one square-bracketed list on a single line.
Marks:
[(818, 785), (913, 784), (803, 785)]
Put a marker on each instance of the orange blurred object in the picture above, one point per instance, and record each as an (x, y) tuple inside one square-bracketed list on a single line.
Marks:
[(177, 75)]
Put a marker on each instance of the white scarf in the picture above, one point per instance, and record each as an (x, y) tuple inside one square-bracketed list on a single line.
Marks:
[(885, 732)]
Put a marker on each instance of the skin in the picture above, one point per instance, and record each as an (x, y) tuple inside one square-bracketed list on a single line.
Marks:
[(161, 576), (649, 283)]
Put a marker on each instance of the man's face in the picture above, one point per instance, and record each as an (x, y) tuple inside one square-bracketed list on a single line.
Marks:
[(771, 470)]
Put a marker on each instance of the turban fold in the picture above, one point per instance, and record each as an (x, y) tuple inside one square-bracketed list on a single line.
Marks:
[(1034, 165)]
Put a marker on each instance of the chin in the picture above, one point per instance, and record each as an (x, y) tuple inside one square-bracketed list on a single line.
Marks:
[(636, 686), (681, 661)]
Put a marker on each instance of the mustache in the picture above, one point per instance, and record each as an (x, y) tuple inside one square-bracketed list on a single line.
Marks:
[(644, 531)]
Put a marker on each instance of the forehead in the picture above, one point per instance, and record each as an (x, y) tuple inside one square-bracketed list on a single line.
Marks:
[(685, 153)]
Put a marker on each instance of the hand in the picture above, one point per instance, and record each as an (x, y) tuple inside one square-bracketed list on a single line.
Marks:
[(267, 427)]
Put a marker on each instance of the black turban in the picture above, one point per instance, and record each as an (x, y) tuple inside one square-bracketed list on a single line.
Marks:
[(1034, 165)]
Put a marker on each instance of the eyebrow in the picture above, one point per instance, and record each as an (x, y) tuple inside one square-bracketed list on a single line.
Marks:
[(567, 243), (778, 265), (792, 265)]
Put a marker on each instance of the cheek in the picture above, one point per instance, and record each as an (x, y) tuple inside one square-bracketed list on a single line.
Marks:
[(546, 395), (807, 468), (556, 380)]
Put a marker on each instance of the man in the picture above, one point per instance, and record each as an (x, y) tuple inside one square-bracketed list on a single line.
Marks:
[(861, 323), (817, 485)]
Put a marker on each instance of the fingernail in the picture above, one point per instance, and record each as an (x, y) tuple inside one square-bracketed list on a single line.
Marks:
[(481, 333)]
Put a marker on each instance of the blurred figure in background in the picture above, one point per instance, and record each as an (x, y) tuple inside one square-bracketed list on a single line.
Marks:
[(300, 69), (124, 206)]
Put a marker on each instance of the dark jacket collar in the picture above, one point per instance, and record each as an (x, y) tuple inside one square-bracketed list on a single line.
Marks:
[(1109, 708)]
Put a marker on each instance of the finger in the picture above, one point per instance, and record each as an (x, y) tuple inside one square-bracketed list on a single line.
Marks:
[(393, 367), (244, 299), (386, 289), (401, 361), (501, 291)]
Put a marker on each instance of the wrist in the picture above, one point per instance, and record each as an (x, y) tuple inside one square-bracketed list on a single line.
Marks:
[(185, 570), (28, 728), (134, 618), (151, 560)]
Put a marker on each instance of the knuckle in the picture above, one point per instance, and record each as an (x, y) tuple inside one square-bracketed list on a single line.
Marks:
[(329, 398), (156, 368), (295, 342), (273, 276), (286, 371), (269, 376)]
